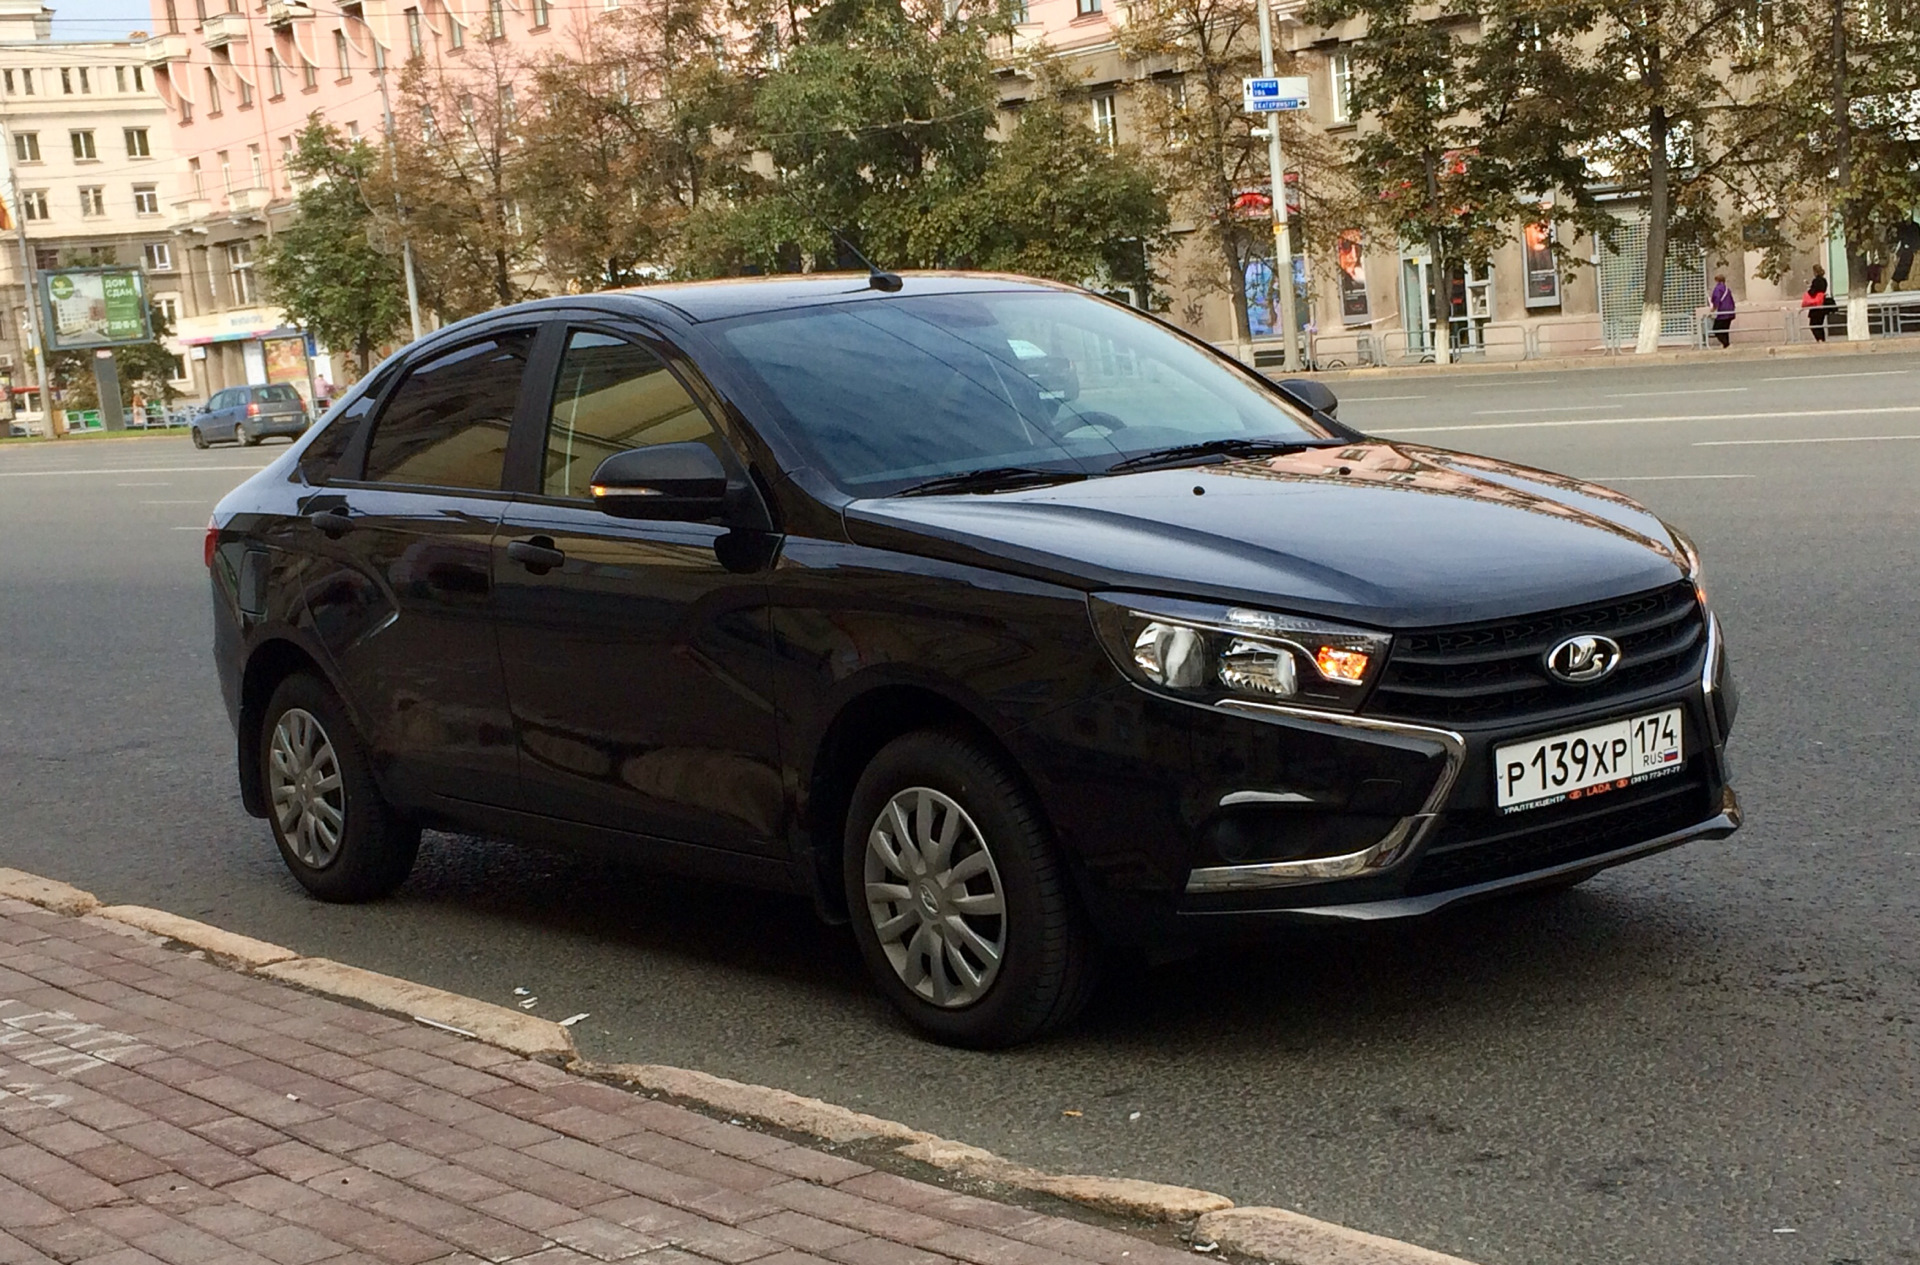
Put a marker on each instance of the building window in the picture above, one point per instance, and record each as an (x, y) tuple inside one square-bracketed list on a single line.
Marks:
[(415, 45), (146, 199), (456, 34), (246, 92), (340, 54), (45, 258), (93, 201), (226, 173), (213, 92), (159, 258), (26, 81), (1104, 124), (137, 143), (1340, 73), (353, 130), (168, 307), (173, 19), (309, 75), (199, 181), (496, 19), (119, 78), (83, 149), (66, 80), (85, 84), (26, 146), (240, 268), (186, 110), (33, 204), (139, 79), (6, 76), (466, 110), (257, 166), (273, 75), (542, 12), (1088, 6), (508, 114)]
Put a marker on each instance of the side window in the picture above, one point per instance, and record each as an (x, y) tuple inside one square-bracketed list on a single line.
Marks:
[(446, 426), (220, 399), (320, 461), (613, 395)]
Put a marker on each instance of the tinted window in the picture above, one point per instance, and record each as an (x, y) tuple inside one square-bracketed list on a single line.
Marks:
[(613, 395), (320, 459), (892, 391), (446, 425), (280, 393)]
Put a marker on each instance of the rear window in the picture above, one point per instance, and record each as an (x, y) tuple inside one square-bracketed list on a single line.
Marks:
[(279, 393)]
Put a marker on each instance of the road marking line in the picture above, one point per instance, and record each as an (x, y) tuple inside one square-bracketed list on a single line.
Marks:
[(1377, 399), (1825, 439), (1641, 395), (201, 527), (1661, 478), (1651, 421), (1867, 373), (36, 474), (1550, 408)]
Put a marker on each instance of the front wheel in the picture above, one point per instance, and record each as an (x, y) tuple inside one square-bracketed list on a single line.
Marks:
[(199, 440), (336, 832), (958, 900)]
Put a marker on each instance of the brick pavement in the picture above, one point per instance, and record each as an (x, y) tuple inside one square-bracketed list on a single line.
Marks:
[(158, 1108)]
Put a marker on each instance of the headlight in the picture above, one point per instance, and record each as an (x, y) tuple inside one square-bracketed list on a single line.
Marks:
[(1690, 556), (1205, 652)]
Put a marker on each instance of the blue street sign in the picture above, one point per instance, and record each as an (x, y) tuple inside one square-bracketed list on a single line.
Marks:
[(1270, 94)]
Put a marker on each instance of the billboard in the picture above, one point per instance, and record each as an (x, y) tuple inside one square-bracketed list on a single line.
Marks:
[(95, 307), (1350, 254)]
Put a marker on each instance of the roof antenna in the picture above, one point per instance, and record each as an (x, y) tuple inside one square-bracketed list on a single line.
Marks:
[(877, 278)]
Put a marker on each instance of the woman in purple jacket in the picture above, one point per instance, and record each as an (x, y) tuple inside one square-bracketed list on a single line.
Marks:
[(1722, 304)]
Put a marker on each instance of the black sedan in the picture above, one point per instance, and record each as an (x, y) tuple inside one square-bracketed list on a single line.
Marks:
[(1006, 622)]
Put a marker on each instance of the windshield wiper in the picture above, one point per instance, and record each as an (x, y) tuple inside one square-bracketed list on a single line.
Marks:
[(995, 479), (1185, 453)]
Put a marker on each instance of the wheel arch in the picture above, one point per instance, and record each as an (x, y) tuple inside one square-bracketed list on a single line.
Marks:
[(270, 662)]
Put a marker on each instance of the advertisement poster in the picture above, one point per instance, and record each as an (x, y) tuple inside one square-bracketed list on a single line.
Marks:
[(95, 307), (1350, 254), (1543, 271), (1260, 316), (287, 362)]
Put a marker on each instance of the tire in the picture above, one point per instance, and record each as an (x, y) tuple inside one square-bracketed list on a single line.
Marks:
[(350, 845), (199, 440), (246, 437), (946, 787)]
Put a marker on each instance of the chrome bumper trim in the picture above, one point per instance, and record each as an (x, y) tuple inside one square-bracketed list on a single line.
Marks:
[(1717, 827), (1392, 847)]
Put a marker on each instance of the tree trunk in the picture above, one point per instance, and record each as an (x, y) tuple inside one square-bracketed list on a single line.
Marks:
[(1653, 297), (1843, 179)]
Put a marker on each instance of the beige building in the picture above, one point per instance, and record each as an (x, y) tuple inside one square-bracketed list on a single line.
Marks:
[(89, 173)]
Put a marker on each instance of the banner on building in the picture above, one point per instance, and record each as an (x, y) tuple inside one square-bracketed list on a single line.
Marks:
[(1349, 253), (95, 307), (1543, 270)]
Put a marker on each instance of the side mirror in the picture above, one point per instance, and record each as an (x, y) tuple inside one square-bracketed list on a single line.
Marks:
[(1316, 397), (682, 482)]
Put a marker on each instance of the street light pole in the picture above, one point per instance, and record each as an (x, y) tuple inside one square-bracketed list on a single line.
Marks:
[(1282, 233), (55, 429), (393, 167)]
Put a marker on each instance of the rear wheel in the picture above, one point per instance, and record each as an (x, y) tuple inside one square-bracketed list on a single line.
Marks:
[(958, 900), (246, 436), (199, 440), (336, 832)]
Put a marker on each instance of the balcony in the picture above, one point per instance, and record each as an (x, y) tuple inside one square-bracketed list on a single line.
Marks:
[(222, 29), (192, 212), (244, 202), (281, 13), (162, 49)]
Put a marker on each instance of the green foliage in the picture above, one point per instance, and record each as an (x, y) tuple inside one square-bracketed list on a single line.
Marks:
[(324, 267)]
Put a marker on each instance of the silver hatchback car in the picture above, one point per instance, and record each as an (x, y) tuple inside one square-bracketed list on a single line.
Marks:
[(247, 415)]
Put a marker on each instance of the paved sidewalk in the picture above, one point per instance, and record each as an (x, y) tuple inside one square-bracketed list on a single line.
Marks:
[(157, 1107)]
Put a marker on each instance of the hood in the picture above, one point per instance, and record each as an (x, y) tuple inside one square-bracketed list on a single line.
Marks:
[(1390, 535)]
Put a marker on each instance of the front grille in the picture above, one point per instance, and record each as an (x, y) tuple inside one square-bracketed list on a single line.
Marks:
[(1496, 671), (1457, 858)]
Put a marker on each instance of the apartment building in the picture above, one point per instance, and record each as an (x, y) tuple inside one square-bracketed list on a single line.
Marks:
[(88, 172)]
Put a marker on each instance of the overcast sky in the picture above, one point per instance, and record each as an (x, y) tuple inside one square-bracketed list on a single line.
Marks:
[(100, 19)]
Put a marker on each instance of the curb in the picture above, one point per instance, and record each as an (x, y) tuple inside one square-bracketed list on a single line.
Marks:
[(1621, 360), (1268, 1234)]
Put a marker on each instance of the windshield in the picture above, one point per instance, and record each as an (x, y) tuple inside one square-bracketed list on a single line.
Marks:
[(891, 393)]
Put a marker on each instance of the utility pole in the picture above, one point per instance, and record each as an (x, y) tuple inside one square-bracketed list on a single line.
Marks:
[(393, 166), (55, 429), (1282, 234)]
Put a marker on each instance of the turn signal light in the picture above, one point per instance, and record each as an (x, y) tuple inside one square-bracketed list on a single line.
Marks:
[(1341, 665), (212, 543)]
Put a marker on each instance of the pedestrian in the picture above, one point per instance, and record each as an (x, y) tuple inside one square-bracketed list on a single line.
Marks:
[(1819, 304), (1722, 303)]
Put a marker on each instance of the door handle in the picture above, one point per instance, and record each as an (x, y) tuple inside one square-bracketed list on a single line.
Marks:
[(536, 554), (332, 523)]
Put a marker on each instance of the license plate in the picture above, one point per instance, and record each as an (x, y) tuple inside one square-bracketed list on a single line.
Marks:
[(1587, 762)]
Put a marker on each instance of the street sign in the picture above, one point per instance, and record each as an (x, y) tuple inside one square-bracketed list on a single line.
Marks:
[(1268, 95)]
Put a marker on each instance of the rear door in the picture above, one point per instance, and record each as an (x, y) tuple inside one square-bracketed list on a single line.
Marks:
[(218, 422), (403, 600), (637, 661)]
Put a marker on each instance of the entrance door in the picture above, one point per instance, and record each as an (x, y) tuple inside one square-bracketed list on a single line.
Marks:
[(638, 664), (1623, 286)]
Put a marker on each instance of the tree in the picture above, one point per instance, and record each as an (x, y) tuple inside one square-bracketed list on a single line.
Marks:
[(455, 140), (324, 266), (630, 137), (1837, 116)]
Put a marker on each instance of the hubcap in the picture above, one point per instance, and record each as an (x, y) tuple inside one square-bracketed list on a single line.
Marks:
[(303, 778), (935, 898)]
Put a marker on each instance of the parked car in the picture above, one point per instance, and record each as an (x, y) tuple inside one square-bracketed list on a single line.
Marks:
[(247, 415), (1005, 622)]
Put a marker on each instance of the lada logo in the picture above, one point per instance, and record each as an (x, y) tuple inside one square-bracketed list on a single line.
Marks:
[(1584, 659)]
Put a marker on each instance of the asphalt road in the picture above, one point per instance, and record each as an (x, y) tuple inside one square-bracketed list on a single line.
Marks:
[(1709, 1056)]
